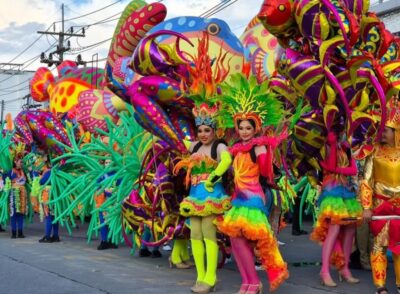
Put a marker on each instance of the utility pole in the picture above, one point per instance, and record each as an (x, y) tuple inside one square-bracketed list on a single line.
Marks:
[(60, 47), (2, 110)]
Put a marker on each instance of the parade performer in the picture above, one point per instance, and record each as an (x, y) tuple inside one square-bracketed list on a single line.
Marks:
[(337, 204), (105, 243), (18, 197), (380, 196), (248, 107), (50, 226), (209, 160)]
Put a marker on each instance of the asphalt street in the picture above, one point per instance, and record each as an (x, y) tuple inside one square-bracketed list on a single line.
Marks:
[(74, 266)]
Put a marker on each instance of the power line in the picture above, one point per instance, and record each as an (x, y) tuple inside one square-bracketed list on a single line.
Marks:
[(83, 15), (5, 89), (88, 47), (31, 60), (20, 89), (105, 20), (218, 8)]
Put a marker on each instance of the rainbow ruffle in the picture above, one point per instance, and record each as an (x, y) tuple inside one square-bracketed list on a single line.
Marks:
[(334, 210), (335, 206), (200, 202), (252, 224), (191, 206)]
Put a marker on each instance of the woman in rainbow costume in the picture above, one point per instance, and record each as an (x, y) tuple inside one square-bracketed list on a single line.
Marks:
[(206, 165), (337, 207), (248, 108), (208, 161)]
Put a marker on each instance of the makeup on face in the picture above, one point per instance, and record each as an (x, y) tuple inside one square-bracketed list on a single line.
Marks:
[(205, 134), (246, 130)]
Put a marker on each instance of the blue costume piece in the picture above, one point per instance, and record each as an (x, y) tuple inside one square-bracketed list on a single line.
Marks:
[(105, 244), (144, 251), (50, 226), (18, 203)]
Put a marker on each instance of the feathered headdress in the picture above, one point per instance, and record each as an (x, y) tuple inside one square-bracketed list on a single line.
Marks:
[(245, 99), (18, 151), (201, 84)]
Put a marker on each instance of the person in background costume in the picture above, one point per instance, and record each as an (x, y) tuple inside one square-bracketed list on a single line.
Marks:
[(51, 229), (337, 204), (248, 107), (18, 198), (380, 196), (100, 199), (144, 249)]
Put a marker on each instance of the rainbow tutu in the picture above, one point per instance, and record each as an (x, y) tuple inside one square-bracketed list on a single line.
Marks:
[(252, 224)]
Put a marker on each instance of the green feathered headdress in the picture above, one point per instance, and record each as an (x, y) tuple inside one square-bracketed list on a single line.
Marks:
[(245, 99)]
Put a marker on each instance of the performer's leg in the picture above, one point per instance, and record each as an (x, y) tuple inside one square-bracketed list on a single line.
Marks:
[(20, 225), (348, 239), (47, 230), (244, 258), (184, 250), (103, 234), (179, 254), (176, 252), (363, 245), (210, 238), (103, 229), (396, 264), (146, 236), (378, 265), (55, 227), (198, 250), (13, 222), (327, 247)]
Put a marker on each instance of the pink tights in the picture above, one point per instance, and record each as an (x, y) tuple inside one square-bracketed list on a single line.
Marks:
[(332, 241), (244, 257)]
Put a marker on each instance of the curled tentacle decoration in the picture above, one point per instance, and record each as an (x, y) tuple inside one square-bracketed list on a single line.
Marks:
[(43, 129), (151, 59), (153, 116), (142, 18)]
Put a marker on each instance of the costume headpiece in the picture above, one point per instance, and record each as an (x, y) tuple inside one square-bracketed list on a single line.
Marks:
[(205, 115), (18, 151), (245, 99), (201, 84)]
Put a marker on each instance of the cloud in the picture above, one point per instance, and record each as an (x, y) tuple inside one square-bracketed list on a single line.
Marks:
[(15, 38)]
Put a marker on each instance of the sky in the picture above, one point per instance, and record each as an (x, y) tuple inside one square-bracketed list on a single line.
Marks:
[(21, 19)]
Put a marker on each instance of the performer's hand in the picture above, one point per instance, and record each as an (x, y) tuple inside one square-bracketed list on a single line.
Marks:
[(209, 186), (367, 215)]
